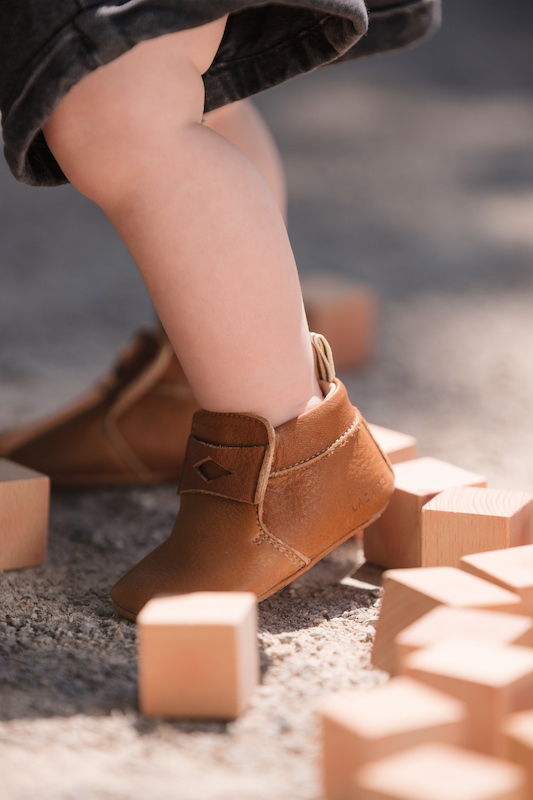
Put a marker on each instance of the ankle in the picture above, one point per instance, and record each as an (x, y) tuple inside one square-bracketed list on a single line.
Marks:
[(282, 415)]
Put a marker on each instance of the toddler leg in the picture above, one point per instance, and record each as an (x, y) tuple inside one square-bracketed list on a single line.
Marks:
[(199, 220)]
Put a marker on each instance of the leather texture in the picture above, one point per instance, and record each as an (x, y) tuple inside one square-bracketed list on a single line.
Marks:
[(260, 506), (131, 429)]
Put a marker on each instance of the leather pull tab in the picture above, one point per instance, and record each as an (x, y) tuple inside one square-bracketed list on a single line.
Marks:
[(324, 366)]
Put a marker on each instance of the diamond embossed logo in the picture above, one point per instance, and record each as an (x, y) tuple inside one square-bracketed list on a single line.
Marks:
[(210, 470)]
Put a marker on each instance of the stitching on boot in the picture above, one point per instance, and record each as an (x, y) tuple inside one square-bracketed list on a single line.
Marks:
[(337, 442), (283, 549)]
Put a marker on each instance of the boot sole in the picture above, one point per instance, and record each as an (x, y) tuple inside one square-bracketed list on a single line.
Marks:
[(285, 582)]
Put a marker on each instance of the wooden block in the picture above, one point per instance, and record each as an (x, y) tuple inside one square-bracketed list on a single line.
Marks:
[(395, 540), (439, 772), (491, 680), (517, 733), (512, 569), (24, 511), (198, 654), (345, 313), (410, 593), (358, 727), (396, 446), (463, 623), (468, 520)]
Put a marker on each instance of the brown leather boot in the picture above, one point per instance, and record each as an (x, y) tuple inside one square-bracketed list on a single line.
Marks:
[(131, 429), (260, 506)]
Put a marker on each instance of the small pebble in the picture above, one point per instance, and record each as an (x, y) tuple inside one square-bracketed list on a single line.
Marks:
[(286, 638)]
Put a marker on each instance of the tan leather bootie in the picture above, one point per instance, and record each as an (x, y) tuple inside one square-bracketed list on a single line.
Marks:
[(260, 506), (131, 429)]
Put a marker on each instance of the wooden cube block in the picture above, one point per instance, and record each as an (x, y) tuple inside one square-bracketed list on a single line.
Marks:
[(439, 772), (396, 446), (468, 520), (358, 727), (517, 733), (345, 313), (24, 511), (491, 680), (395, 540), (408, 594), (198, 654), (511, 568), (463, 623)]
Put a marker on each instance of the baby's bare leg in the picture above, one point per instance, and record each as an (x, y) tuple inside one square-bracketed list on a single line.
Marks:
[(199, 220)]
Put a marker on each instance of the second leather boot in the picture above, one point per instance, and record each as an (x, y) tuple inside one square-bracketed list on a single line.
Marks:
[(131, 429), (260, 506)]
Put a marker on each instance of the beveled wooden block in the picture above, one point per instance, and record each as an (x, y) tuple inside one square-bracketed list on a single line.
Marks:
[(361, 726), (511, 568), (24, 511), (345, 312), (439, 772), (198, 654), (395, 539), (408, 594), (491, 680), (517, 733), (463, 623), (396, 446), (468, 519)]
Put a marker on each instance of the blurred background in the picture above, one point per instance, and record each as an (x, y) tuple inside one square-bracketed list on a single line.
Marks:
[(413, 173)]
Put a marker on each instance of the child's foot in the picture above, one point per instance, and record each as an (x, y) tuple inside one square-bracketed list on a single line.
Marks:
[(131, 429), (260, 506)]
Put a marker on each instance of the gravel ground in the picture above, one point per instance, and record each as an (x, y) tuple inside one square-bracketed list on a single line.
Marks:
[(413, 173)]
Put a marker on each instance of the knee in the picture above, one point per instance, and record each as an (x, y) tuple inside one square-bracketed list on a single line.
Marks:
[(115, 122), (106, 142), (105, 155)]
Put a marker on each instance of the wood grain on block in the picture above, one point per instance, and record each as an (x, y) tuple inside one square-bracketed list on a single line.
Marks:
[(491, 680), (198, 654), (408, 594), (24, 511), (359, 727), (518, 743), (439, 772), (345, 313), (468, 520), (395, 539), (396, 446), (463, 623), (511, 568)]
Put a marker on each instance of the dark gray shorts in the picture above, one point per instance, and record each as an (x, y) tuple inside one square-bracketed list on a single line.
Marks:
[(47, 46)]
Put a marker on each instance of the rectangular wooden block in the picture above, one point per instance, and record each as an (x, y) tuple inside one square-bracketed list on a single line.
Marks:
[(439, 772), (491, 680), (471, 624), (517, 733), (396, 446), (359, 727), (198, 654), (24, 511), (395, 540), (408, 594), (510, 568), (345, 312), (469, 519)]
